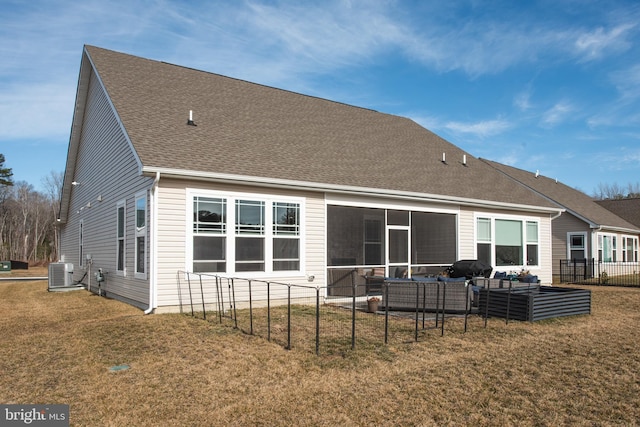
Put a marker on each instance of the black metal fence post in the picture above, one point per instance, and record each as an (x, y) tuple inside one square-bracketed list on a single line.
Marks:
[(353, 310), (506, 320), (415, 333), (179, 290), (268, 311), (444, 298), (317, 320), (250, 310), (233, 293), (386, 312), (204, 309), (220, 298), (467, 305), (190, 296), (288, 317), (486, 303)]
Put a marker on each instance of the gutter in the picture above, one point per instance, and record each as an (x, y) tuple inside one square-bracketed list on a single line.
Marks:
[(339, 189), (153, 259)]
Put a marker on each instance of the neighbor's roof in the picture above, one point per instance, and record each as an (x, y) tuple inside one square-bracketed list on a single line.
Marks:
[(576, 202), (250, 130), (628, 209)]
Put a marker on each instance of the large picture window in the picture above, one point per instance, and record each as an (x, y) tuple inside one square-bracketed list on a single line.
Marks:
[(238, 234), (607, 248), (507, 242)]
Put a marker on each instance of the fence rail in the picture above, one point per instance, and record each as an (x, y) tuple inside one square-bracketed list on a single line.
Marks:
[(315, 319), (592, 272), (308, 317)]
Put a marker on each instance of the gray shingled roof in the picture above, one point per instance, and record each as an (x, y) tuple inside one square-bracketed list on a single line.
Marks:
[(246, 129), (628, 209), (575, 201)]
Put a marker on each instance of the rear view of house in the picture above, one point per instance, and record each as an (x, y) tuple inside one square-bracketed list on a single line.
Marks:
[(585, 233), (172, 169)]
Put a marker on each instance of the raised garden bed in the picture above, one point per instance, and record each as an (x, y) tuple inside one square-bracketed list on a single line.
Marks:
[(535, 303)]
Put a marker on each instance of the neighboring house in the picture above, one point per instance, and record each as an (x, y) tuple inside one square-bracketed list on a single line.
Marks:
[(586, 230), (172, 169), (627, 209)]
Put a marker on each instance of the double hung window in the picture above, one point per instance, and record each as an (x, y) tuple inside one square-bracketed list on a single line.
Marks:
[(577, 246), (245, 234)]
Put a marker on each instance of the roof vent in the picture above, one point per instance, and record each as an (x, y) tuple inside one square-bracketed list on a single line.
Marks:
[(190, 122), (464, 160), (537, 173), (444, 158)]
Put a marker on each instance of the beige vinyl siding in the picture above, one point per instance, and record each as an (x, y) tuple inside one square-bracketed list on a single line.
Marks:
[(107, 172), (466, 234), (567, 223), (174, 229)]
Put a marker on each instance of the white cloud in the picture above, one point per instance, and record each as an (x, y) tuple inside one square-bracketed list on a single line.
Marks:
[(627, 82), (523, 100), (557, 114), (593, 45), (480, 129)]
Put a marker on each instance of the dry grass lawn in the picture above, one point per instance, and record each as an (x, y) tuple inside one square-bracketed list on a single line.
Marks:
[(58, 348)]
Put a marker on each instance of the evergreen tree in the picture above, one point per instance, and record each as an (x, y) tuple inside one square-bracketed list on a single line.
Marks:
[(5, 173)]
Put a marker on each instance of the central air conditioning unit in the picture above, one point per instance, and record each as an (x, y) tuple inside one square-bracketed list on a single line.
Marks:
[(60, 275)]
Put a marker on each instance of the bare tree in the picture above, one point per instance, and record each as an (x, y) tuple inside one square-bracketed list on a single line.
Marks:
[(53, 186), (616, 191)]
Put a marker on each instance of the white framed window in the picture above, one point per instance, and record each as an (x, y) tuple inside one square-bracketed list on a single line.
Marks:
[(209, 234), (508, 242), (244, 233), (140, 267), (286, 236), (607, 247), (577, 246), (81, 243), (121, 230), (630, 249)]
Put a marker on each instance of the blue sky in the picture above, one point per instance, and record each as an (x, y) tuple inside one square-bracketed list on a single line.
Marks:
[(544, 85)]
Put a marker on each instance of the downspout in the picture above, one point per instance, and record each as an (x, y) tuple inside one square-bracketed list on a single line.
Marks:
[(153, 275)]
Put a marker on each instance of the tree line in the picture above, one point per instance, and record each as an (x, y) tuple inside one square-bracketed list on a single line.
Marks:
[(616, 191), (28, 230)]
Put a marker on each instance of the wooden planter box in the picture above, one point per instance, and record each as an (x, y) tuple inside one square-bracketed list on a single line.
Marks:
[(536, 303)]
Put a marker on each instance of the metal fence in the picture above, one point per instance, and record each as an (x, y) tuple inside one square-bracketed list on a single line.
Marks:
[(592, 272), (307, 317)]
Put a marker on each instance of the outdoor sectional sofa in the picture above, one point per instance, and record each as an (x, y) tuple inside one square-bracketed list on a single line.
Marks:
[(427, 294)]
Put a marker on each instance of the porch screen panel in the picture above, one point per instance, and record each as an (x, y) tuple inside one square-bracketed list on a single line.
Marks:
[(355, 236), (433, 238), (508, 242)]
